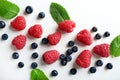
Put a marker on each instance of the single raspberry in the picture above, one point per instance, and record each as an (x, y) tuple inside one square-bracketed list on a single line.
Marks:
[(102, 50), (35, 31), (84, 59), (51, 56), (54, 38), (19, 41), (19, 23), (66, 26), (84, 36)]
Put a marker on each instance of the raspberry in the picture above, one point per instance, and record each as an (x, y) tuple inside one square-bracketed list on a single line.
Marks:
[(66, 26), (84, 59), (35, 31), (102, 50), (54, 38), (51, 56), (19, 41), (84, 36), (19, 23)]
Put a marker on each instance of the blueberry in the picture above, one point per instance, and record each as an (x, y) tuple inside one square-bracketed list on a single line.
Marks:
[(92, 69), (99, 63), (34, 45), (74, 48), (68, 58), (109, 66), (2, 24), (94, 29), (62, 57), (41, 15), (54, 73), (35, 55), (20, 64), (45, 41), (98, 36), (4, 37), (34, 65), (63, 62), (28, 9), (106, 34), (15, 55), (73, 71), (71, 43)]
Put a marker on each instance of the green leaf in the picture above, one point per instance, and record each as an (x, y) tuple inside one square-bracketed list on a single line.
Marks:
[(37, 74), (115, 47), (8, 10), (58, 12)]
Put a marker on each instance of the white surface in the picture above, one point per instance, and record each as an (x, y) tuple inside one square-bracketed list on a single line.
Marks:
[(105, 14)]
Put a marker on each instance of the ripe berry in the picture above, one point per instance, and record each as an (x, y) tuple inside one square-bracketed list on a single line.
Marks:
[(63, 62), (106, 34), (74, 48), (71, 43), (45, 41), (54, 73), (41, 15), (4, 37), (73, 71), (2, 24), (15, 55), (34, 65), (62, 57), (35, 55), (34, 45), (20, 64), (69, 52), (92, 69), (109, 66), (94, 29), (99, 63), (68, 58), (98, 36), (28, 9)]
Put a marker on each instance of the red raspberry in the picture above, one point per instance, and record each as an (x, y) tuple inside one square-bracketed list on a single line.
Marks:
[(84, 59), (102, 50), (84, 36), (35, 31), (51, 56), (19, 41), (54, 38), (19, 23), (66, 26)]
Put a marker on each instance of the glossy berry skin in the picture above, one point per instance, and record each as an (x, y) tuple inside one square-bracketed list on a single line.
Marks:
[(69, 52), (63, 62), (98, 36), (74, 48), (109, 66), (41, 15), (35, 55), (92, 70), (73, 71), (2, 24), (34, 65), (4, 37), (99, 63), (34, 45), (54, 73), (94, 29), (28, 9), (15, 55), (71, 43), (20, 64), (106, 34), (45, 41), (68, 58), (62, 57)]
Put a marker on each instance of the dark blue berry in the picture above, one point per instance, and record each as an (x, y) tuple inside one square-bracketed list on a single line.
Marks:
[(15, 55), (69, 52), (73, 71), (68, 58), (34, 45), (109, 66), (98, 36), (63, 62), (35, 55), (92, 69), (28, 9), (4, 37), (41, 15), (45, 41), (54, 73), (106, 34), (34, 65), (71, 43), (99, 63), (62, 57), (2, 24), (20, 64), (74, 48), (94, 29)]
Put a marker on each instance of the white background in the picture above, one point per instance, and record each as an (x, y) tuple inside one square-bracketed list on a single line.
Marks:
[(104, 14)]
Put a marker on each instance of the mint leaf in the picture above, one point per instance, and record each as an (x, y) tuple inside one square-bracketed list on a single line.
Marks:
[(115, 47), (8, 10), (37, 74), (58, 12)]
